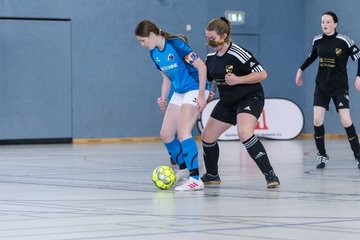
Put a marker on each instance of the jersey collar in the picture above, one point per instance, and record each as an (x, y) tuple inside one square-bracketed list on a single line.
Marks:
[(331, 36)]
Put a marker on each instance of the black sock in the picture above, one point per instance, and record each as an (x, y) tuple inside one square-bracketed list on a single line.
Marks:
[(211, 157), (319, 137), (353, 139), (257, 152), (194, 172)]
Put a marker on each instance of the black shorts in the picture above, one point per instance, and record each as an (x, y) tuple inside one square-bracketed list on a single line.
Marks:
[(252, 104), (341, 101)]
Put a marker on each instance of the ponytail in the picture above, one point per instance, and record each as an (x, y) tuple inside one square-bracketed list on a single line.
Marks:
[(145, 27)]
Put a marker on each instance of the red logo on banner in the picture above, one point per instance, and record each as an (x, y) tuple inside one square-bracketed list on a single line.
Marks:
[(261, 125)]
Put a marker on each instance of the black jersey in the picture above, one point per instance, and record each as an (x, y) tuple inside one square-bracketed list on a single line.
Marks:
[(238, 61), (333, 52)]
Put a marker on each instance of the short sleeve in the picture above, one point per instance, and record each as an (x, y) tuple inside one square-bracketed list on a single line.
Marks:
[(183, 50)]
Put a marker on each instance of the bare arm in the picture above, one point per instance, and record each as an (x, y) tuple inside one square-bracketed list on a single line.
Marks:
[(165, 87), (201, 67), (357, 83), (165, 90), (298, 79), (309, 60)]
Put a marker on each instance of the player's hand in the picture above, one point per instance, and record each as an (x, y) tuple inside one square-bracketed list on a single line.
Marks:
[(298, 80), (162, 103), (200, 102), (357, 83), (231, 79)]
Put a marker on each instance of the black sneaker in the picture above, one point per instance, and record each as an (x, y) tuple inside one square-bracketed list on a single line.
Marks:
[(272, 181), (357, 159), (322, 159), (209, 179)]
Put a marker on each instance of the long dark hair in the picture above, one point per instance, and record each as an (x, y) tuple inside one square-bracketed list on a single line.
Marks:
[(145, 27)]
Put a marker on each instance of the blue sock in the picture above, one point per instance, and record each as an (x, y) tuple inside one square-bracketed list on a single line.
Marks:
[(175, 151), (190, 153)]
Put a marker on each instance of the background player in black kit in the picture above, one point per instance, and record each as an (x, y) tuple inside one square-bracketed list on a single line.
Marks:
[(238, 75), (333, 50)]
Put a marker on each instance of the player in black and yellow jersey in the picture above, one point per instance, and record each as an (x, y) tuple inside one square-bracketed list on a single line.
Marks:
[(238, 75), (333, 50)]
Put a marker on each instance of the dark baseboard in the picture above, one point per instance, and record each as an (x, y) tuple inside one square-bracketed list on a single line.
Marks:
[(35, 141)]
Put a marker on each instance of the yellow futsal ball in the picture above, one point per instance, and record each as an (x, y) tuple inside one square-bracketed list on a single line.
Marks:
[(163, 177)]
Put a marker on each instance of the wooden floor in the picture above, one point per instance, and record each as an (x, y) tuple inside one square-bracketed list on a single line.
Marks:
[(104, 191)]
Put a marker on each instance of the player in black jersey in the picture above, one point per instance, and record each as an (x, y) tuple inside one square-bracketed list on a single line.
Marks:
[(237, 75), (333, 50)]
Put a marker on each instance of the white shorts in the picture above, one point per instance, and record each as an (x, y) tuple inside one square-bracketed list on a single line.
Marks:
[(189, 97)]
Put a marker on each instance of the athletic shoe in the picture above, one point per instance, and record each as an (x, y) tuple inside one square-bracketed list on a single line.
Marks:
[(322, 159), (209, 179), (272, 181), (191, 185), (182, 174), (357, 159)]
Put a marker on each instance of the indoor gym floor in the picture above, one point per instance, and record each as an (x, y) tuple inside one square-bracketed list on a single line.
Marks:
[(104, 191)]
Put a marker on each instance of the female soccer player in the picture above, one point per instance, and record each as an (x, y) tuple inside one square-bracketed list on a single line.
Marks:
[(185, 72), (333, 50), (238, 75)]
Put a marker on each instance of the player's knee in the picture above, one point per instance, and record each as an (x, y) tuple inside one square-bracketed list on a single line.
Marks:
[(166, 136), (318, 121), (244, 134), (205, 137), (208, 136), (346, 122)]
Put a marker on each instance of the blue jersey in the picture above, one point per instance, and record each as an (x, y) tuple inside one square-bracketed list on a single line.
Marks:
[(175, 60)]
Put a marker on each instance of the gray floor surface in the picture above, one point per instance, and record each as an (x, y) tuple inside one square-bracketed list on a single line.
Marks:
[(104, 191)]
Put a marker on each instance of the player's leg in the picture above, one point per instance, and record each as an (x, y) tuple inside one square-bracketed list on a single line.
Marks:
[(168, 134), (188, 116), (321, 105), (212, 131), (319, 136), (174, 163), (249, 111), (351, 133), (246, 126)]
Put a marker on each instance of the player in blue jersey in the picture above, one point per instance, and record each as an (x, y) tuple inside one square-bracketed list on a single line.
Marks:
[(184, 72), (333, 50)]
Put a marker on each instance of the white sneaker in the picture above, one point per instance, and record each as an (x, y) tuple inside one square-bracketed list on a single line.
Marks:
[(191, 185), (181, 175)]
